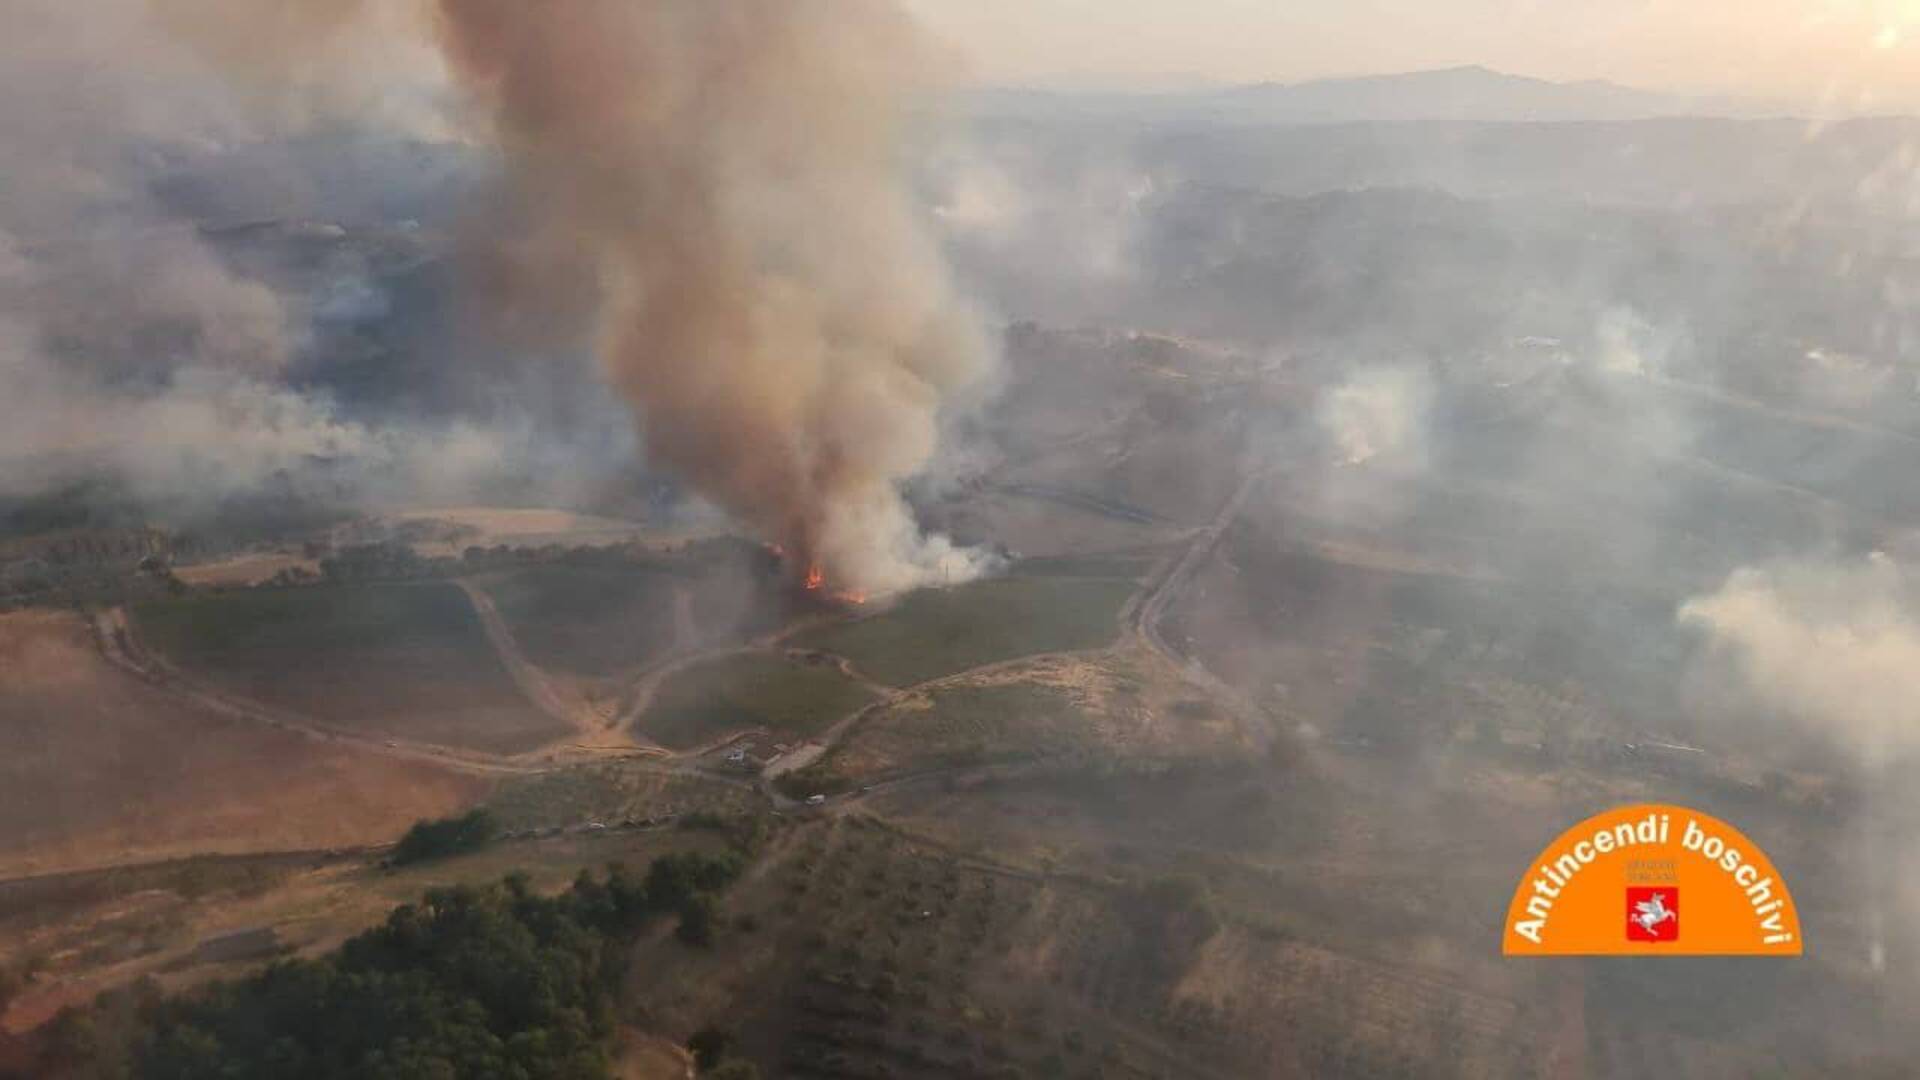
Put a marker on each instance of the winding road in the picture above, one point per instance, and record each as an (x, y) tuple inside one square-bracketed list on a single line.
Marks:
[(1139, 619)]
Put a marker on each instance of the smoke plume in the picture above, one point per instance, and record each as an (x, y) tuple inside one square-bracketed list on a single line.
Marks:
[(731, 177), (1836, 646), (720, 188), (1378, 412), (115, 321)]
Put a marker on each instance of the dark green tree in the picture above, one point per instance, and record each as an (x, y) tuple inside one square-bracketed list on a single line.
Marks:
[(446, 836), (708, 1046), (468, 981)]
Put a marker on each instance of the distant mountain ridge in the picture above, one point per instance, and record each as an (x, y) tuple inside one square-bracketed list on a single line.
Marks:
[(1462, 93), (1459, 94)]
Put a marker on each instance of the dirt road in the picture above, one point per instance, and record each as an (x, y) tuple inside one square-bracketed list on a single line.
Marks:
[(1139, 618), (641, 692), (534, 683), (1144, 614), (121, 648)]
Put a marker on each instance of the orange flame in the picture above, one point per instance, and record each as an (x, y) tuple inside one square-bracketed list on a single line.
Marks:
[(816, 577)]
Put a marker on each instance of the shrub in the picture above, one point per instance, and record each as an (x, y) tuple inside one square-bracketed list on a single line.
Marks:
[(446, 836)]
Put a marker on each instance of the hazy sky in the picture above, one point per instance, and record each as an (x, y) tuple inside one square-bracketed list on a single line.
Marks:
[(1774, 48)]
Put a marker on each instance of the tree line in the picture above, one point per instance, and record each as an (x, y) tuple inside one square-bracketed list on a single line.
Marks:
[(493, 981)]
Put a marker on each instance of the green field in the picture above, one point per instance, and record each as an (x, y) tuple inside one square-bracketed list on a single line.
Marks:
[(408, 660), (589, 620), (938, 632), (1120, 566), (962, 727), (226, 625), (788, 697)]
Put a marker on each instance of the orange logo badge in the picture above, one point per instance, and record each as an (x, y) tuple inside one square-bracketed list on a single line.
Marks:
[(1570, 901)]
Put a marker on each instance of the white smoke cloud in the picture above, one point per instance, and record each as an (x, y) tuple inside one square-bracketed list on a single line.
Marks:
[(1627, 344), (1836, 645), (1072, 224), (1041, 234), (127, 345), (1379, 413)]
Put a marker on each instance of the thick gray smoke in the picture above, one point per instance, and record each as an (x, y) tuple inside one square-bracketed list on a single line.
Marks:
[(719, 189), (731, 175), (115, 320), (127, 345)]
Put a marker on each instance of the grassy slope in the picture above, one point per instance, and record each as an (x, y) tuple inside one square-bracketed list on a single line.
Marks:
[(750, 690), (96, 765), (963, 726), (247, 623), (410, 660), (1119, 566), (939, 632), (590, 620)]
